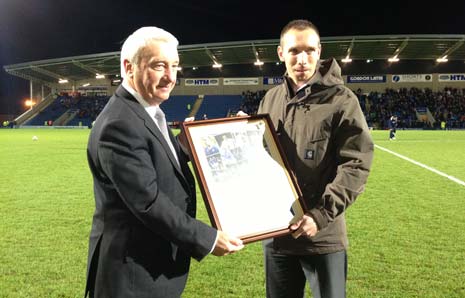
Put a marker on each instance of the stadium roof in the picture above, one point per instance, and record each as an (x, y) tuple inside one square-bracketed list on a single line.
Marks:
[(379, 47)]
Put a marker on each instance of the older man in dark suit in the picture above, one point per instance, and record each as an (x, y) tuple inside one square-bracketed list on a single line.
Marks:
[(144, 230)]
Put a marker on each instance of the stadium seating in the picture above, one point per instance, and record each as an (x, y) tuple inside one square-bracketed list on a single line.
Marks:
[(88, 110), (447, 106), (51, 112), (177, 107), (218, 106)]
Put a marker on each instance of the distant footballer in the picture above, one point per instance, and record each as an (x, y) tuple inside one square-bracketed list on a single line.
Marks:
[(392, 127)]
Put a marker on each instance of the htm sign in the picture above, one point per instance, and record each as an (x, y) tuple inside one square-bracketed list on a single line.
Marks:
[(201, 82), (452, 77)]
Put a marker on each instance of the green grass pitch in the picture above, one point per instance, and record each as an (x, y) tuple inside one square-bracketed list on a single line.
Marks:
[(407, 231)]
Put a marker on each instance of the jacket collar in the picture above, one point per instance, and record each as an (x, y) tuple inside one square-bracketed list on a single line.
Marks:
[(149, 123), (327, 74)]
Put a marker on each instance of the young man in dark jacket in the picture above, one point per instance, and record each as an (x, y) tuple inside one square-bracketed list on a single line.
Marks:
[(329, 147)]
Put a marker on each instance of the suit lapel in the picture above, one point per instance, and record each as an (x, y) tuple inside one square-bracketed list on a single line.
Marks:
[(153, 128), (150, 125)]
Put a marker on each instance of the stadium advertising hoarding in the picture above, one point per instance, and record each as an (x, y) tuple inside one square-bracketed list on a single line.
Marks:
[(272, 80), (412, 78), (240, 81), (92, 88), (202, 82), (366, 79), (451, 77)]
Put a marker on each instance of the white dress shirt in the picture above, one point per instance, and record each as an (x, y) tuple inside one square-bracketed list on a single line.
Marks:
[(152, 111)]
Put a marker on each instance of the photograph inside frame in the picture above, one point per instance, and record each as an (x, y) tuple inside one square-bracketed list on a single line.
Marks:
[(244, 177)]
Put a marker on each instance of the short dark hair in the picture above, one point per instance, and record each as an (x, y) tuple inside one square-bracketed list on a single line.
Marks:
[(298, 25)]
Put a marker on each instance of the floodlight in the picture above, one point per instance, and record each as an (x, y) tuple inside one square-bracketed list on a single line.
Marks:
[(346, 60)]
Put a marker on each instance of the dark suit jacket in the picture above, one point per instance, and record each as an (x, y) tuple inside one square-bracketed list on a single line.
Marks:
[(143, 230)]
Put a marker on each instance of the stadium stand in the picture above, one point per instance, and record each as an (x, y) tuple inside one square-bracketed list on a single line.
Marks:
[(52, 112), (68, 110), (446, 108), (219, 106), (419, 67), (251, 100), (88, 109), (447, 105), (178, 107)]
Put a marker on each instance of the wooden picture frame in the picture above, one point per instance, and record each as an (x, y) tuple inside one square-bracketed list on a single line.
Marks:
[(245, 179)]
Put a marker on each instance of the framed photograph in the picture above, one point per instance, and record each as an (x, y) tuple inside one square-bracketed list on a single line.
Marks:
[(245, 180)]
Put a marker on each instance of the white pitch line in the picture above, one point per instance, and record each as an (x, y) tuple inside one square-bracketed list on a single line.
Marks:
[(458, 181)]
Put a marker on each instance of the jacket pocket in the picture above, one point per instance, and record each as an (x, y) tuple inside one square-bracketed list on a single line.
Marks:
[(313, 151)]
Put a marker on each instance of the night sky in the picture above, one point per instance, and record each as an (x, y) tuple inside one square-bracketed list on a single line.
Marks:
[(43, 29)]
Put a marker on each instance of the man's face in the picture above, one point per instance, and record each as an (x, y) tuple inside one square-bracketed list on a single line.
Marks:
[(300, 51), (154, 76)]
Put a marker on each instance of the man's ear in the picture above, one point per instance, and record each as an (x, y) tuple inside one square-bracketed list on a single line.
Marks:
[(280, 54), (128, 68)]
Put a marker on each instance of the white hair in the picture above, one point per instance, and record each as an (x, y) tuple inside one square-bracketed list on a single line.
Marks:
[(138, 40)]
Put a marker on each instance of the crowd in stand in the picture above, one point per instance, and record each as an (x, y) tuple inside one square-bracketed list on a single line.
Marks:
[(251, 100), (90, 107), (446, 106), (87, 107)]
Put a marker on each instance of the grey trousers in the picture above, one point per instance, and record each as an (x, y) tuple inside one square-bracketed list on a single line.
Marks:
[(286, 274)]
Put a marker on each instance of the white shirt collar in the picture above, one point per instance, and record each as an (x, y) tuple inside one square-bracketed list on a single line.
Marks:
[(150, 109)]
